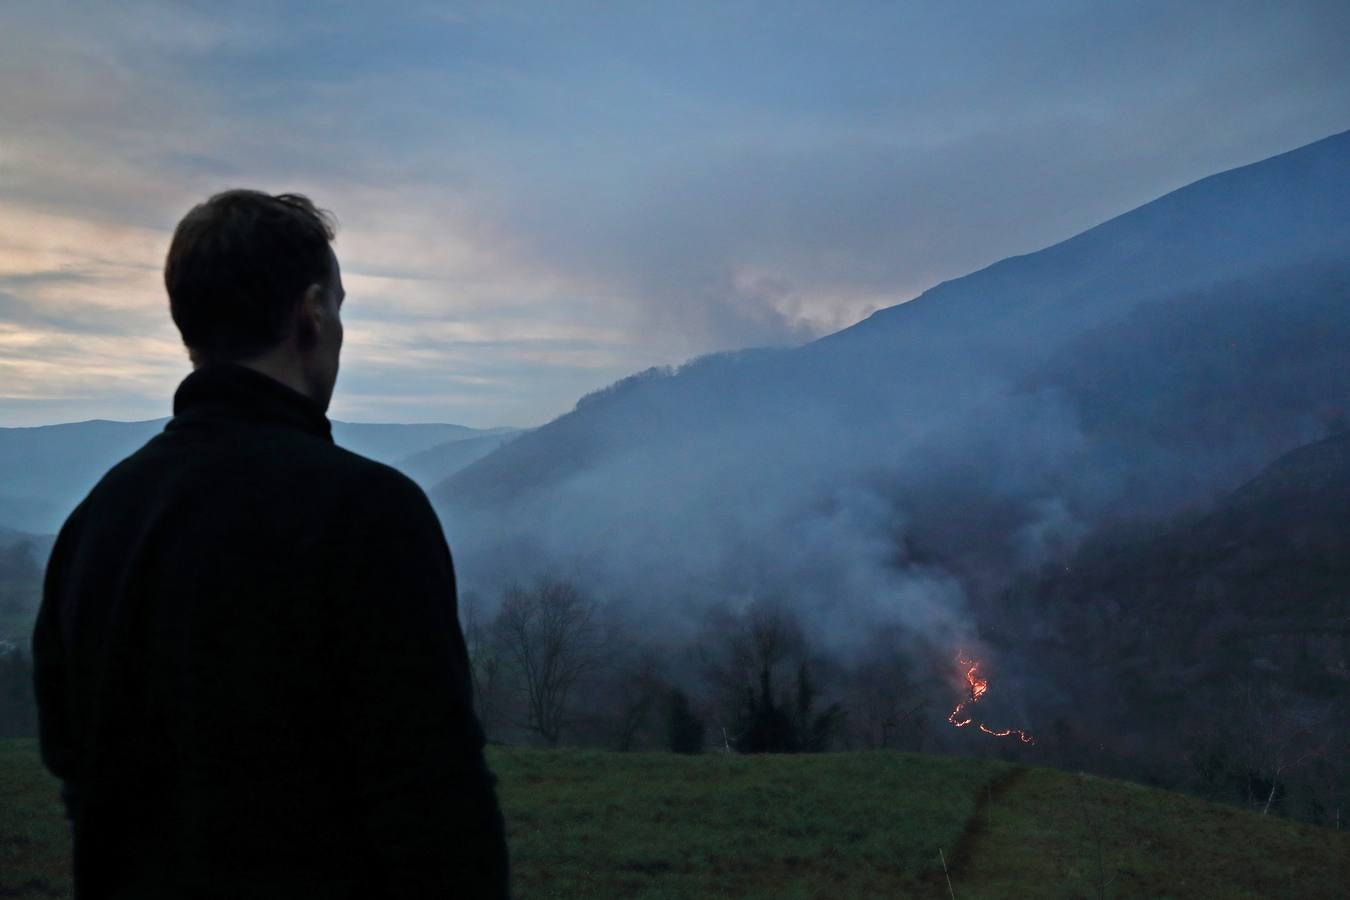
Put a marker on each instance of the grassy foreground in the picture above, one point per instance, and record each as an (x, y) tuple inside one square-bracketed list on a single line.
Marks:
[(591, 824)]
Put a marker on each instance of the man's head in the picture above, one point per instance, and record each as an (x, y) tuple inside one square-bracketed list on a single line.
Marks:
[(252, 279)]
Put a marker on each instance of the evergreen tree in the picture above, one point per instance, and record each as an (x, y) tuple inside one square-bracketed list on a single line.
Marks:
[(764, 727), (684, 729)]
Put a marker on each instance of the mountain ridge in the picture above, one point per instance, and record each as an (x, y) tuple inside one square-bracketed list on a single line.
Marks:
[(1332, 152), (715, 471), (1302, 162)]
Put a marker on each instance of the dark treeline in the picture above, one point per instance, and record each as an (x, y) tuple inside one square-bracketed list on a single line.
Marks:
[(554, 668), (20, 592), (551, 667)]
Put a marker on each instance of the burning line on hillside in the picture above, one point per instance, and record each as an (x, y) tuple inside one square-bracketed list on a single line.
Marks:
[(976, 688)]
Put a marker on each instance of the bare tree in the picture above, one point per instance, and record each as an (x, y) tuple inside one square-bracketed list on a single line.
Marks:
[(739, 651), (638, 687), (1328, 776), (485, 665), (775, 634), (887, 706), (550, 637), (1278, 735)]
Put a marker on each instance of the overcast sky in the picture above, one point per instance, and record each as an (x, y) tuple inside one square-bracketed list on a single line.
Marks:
[(537, 199)]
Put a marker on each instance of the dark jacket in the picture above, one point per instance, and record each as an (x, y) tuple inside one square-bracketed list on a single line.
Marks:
[(250, 672)]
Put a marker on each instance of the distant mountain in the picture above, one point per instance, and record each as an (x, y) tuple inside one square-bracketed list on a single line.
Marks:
[(434, 465), (390, 443), (46, 470), (934, 449)]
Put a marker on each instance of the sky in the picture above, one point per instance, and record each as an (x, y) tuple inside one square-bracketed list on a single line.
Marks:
[(537, 199)]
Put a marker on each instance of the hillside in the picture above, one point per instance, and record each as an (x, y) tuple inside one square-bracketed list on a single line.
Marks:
[(1216, 643), (1167, 409), (834, 825), (976, 431), (1264, 570)]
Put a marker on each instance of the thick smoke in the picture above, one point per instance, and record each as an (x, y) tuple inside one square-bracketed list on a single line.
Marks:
[(905, 470)]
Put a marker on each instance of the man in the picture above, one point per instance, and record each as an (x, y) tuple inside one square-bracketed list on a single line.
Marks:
[(249, 667)]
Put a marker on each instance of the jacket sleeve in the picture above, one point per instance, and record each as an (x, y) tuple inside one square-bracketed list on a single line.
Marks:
[(424, 794), (52, 677)]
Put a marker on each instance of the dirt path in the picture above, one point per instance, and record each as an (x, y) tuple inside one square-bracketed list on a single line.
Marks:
[(977, 828)]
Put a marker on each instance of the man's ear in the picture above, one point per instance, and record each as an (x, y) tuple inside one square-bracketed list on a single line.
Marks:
[(310, 316)]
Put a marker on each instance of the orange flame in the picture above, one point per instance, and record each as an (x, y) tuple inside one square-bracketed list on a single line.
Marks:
[(977, 687)]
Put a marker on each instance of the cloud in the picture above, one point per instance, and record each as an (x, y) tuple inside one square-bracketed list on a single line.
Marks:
[(535, 200)]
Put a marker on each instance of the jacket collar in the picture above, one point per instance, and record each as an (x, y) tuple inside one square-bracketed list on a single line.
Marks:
[(226, 390)]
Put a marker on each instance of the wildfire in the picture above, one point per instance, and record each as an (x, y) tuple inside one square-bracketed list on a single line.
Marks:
[(976, 688)]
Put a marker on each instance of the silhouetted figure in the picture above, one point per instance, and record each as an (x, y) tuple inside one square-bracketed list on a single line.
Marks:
[(249, 667)]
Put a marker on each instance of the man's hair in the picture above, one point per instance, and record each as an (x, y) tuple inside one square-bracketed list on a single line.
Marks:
[(238, 265)]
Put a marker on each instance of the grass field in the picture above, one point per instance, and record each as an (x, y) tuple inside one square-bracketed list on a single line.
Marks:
[(591, 824)]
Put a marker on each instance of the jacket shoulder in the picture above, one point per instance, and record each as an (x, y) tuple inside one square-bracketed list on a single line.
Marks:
[(375, 483)]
